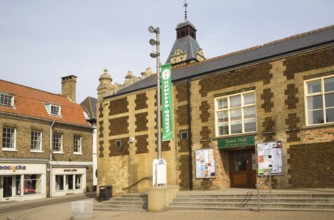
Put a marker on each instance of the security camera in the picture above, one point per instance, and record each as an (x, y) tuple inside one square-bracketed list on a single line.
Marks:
[(153, 42), (154, 54), (131, 139)]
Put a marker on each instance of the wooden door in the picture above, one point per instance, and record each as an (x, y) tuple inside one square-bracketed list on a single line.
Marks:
[(243, 169)]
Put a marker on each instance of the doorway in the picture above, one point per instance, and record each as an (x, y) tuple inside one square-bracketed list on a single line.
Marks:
[(243, 168), (7, 186)]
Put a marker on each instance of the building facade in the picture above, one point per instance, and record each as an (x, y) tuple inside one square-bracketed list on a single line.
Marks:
[(235, 116), (46, 143)]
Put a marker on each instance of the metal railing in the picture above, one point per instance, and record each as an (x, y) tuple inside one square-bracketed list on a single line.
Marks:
[(261, 180)]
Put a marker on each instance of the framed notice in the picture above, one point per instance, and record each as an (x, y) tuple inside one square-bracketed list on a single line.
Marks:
[(205, 163), (270, 156)]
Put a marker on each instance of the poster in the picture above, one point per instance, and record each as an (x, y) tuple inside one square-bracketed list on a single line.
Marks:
[(205, 163), (270, 156)]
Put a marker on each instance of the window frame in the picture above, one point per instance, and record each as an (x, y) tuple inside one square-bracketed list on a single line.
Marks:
[(118, 143), (40, 141), (12, 139), (321, 93), (77, 149), (59, 143), (4, 100), (50, 109), (230, 108)]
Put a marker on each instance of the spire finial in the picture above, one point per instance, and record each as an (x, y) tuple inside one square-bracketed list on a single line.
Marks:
[(185, 10)]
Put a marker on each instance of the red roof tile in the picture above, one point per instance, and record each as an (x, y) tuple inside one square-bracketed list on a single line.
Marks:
[(30, 102)]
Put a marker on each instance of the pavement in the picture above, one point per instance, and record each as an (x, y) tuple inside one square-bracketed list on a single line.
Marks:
[(63, 211)]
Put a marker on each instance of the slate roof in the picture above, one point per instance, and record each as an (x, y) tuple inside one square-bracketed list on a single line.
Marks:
[(29, 102), (284, 46), (89, 104), (186, 44)]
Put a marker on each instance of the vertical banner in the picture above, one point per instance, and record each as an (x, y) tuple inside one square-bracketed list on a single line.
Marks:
[(167, 102)]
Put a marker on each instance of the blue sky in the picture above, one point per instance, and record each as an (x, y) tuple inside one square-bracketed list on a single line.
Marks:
[(43, 40)]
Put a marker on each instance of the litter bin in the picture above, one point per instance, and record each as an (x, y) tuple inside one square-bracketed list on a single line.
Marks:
[(105, 192)]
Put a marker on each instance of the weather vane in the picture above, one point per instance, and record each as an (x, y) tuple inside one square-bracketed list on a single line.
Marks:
[(185, 10)]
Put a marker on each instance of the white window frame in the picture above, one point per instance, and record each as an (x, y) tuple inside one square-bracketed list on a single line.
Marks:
[(59, 142), (77, 144), (12, 138), (321, 93), (36, 139), (53, 110), (6, 100), (229, 109)]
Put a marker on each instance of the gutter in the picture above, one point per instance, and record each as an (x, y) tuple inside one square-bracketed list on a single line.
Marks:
[(50, 159)]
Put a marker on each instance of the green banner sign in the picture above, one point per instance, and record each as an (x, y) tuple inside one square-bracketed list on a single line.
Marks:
[(167, 102), (236, 142)]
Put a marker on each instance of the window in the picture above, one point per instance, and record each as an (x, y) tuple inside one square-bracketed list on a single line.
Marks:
[(77, 144), (32, 184), (36, 140), (8, 138), (319, 95), (57, 142), (184, 135), (53, 110), (59, 182), (118, 143), (235, 114), (6, 100)]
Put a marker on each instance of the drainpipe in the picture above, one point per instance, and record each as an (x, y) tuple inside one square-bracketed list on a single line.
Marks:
[(50, 159), (190, 138)]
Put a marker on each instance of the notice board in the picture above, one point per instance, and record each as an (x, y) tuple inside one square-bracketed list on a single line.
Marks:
[(205, 163), (270, 156)]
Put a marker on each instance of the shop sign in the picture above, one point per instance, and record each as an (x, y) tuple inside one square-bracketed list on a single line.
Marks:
[(236, 142), (70, 170), (13, 168)]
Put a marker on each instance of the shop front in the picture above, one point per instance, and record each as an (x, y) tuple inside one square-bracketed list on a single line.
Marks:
[(68, 180), (19, 181), (240, 152)]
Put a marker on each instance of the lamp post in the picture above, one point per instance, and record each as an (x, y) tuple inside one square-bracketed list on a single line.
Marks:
[(159, 164), (156, 54)]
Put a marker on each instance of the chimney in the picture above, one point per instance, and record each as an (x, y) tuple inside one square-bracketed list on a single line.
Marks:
[(68, 87)]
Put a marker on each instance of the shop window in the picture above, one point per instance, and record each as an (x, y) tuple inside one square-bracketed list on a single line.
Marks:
[(77, 144), (57, 142), (59, 182), (8, 138), (32, 184), (319, 99), (36, 140), (69, 180), (235, 114), (78, 181)]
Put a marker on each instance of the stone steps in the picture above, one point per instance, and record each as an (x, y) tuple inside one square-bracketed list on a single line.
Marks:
[(126, 202), (305, 202)]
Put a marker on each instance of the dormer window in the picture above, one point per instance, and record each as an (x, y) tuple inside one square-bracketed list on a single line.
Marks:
[(53, 110), (6, 100)]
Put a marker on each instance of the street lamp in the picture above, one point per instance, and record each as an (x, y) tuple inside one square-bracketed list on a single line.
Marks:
[(159, 164)]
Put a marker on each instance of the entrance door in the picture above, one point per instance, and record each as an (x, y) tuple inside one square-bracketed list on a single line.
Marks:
[(243, 169), (7, 186)]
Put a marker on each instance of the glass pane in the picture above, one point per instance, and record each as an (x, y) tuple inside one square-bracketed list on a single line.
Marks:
[(315, 117), (240, 162), (313, 87), (222, 116), (329, 99), (330, 115), (235, 101), (236, 127), (223, 129), (249, 112), (250, 125), (249, 98), (222, 103), (314, 102), (235, 114), (329, 84)]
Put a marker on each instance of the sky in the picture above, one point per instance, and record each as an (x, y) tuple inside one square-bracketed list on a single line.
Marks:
[(44, 40)]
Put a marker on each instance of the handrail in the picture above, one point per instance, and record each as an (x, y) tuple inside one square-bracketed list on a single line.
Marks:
[(262, 179), (137, 182)]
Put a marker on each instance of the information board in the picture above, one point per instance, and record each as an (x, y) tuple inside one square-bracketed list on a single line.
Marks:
[(205, 163), (270, 156)]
